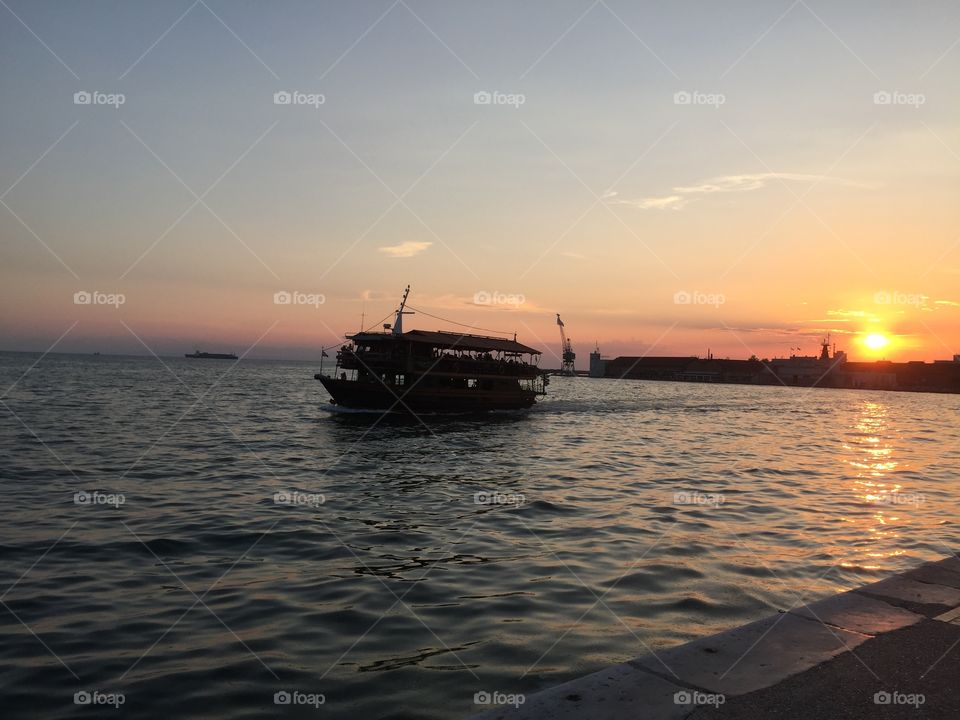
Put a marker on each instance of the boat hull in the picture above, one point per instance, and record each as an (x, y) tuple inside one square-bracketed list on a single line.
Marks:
[(376, 396)]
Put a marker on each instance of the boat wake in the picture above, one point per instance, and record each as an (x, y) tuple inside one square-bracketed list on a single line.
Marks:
[(340, 410)]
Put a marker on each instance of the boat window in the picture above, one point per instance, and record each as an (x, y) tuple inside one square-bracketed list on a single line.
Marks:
[(472, 383)]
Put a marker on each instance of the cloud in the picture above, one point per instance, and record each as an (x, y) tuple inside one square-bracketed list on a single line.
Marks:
[(672, 202), (573, 255), (405, 249), (723, 184), (848, 315), (949, 303)]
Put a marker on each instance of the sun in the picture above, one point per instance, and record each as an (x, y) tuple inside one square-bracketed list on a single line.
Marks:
[(876, 341)]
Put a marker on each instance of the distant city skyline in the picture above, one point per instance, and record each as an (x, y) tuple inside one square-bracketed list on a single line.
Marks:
[(669, 179)]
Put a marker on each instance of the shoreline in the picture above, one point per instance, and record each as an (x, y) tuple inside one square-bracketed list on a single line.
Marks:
[(887, 649)]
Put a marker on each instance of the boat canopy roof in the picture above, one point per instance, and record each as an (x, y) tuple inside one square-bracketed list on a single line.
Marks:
[(449, 341)]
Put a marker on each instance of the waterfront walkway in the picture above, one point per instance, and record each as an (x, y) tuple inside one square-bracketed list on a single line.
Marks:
[(886, 650)]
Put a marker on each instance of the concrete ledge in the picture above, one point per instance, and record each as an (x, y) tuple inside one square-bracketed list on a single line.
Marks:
[(900, 587), (936, 573), (858, 613), (753, 656), (613, 693), (922, 658), (757, 659), (950, 563)]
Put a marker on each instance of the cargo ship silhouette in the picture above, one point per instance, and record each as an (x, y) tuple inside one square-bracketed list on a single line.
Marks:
[(210, 356)]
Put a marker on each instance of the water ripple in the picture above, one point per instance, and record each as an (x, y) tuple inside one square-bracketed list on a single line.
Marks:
[(672, 510)]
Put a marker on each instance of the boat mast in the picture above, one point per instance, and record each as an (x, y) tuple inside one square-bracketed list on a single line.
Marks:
[(398, 322)]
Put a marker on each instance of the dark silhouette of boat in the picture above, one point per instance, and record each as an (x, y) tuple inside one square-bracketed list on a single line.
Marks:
[(432, 371), (210, 356)]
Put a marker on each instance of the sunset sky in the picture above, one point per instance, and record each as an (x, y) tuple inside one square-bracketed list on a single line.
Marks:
[(669, 177)]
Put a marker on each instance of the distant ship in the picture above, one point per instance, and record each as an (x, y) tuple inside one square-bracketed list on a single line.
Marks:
[(431, 371), (210, 356)]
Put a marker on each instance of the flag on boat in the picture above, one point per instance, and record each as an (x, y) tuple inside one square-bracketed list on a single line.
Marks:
[(559, 321)]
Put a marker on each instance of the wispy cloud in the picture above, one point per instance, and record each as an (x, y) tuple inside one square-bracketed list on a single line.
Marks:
[(681, 195), (848, 315), (671, 202), (949, 303), (377, 295), (405, 249)]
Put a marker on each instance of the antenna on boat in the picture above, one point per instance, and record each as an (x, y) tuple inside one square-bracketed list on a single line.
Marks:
[(398, 323)]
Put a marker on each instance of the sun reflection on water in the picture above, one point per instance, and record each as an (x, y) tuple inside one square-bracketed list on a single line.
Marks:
[(871, 453)]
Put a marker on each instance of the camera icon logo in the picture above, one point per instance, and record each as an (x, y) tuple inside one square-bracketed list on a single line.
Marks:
[(482, 698), (82, 297), (482, 98), (682, 98), (882, 97), (282, 298), (881, 698), (282, 698), (82, 698), (682, 297), (81, 498), (82, 97), (282, 97), (482, 298), (682, 697), (282, 498)]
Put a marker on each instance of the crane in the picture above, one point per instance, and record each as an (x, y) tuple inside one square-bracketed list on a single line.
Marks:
[(566, 351)]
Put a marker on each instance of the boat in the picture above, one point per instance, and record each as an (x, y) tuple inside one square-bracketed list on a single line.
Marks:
[(210, 356), (433, 371)]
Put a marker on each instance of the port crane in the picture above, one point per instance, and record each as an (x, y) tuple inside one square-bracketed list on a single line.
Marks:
[(567, 355)]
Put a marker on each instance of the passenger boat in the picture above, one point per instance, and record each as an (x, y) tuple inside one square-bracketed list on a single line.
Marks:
[(433, 371)]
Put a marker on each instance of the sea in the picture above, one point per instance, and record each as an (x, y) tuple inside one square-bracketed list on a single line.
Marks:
[(188, 538)]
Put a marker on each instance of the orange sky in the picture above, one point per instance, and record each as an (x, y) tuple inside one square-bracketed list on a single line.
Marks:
[(745, 180)]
